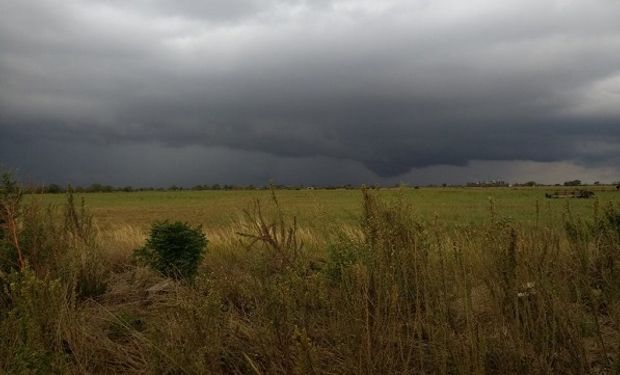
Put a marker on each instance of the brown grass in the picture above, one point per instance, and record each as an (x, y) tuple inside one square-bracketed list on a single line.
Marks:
[(393, 294)]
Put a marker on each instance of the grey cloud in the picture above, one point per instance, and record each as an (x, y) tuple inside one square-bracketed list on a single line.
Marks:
[(389, 85)]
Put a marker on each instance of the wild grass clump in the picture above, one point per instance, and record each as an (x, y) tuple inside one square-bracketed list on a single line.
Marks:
[(34, 337), (48, 262)]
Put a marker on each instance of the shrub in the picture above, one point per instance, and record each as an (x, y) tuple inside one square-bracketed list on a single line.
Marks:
[(33, 339), (341, 255), (10, 210), (174, 249)]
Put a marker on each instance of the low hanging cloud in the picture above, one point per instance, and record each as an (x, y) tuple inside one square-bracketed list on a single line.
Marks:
[(394, 85)]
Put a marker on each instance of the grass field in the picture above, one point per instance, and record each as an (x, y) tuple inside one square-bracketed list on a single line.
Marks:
[(389, 281), (317, 208)]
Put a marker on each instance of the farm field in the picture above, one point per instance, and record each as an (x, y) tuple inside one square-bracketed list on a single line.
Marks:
[(318, 208)]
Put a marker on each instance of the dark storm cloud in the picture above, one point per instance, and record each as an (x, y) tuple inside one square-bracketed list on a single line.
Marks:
[(393, 85)]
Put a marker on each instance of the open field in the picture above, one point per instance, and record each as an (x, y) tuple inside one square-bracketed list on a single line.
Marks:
[(317, 208), (398, 281)]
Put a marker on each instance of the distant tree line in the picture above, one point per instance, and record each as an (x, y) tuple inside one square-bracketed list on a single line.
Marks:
[(102, 188)]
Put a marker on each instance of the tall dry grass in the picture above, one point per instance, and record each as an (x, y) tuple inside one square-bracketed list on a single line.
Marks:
[(396, 294)]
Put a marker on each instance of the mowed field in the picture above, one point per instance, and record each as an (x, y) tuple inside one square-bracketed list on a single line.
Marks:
[(315, 209)]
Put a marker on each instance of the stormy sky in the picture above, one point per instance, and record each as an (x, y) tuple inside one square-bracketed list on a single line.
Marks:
[(161, 92)]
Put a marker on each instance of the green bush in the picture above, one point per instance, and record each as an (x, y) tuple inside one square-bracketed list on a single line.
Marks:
[(174, 249)]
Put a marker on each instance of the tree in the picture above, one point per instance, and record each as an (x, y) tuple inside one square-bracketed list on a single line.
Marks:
[(53, 189), (572, 183), (174, 249)]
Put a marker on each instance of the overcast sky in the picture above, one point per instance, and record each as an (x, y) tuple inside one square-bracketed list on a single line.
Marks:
[(161, 92)]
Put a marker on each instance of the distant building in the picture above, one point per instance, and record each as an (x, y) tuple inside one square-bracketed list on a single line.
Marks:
[(490, 183)]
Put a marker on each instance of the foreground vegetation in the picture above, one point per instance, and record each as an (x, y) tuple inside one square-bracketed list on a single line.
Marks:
[(393, 291)]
